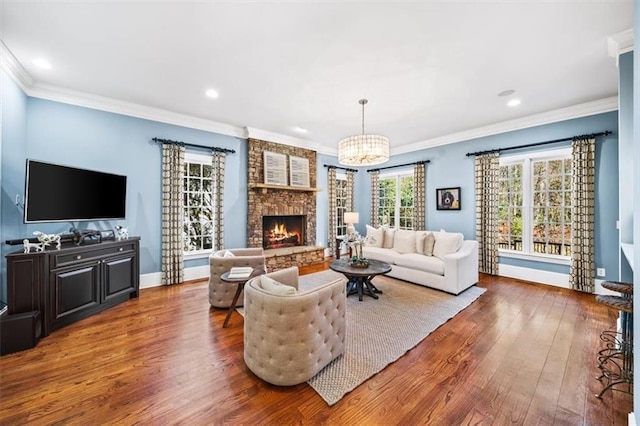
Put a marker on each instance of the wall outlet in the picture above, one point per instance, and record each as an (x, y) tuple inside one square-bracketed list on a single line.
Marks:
[(617, 224), (600, 272)]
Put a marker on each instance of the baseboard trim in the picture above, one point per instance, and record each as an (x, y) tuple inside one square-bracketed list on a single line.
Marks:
[(555, 279), (154, 279)]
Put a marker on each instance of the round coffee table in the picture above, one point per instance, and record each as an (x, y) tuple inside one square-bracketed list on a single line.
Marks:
[(360, 278), (240, 282)]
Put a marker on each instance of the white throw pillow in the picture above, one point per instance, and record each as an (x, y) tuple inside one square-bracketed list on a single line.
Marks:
[(404, 241), (374, 237), (420, 237), (389, 234), (228, 254), (447, 243), (274, 287), (429, 242)]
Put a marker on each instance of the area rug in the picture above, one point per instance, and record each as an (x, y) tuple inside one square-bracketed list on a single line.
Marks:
[(380, 331)]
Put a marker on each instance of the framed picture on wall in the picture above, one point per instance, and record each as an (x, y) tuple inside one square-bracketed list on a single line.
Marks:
[(448, 198), (299, 171), (275, 168)]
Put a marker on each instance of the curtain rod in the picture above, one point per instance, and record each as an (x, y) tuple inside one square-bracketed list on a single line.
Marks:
[(399, 165), (329, 166), (587, 136), (193, 145)]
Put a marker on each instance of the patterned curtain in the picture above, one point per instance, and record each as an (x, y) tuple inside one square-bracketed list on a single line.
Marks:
[(487, 173), (333, 220), (350, 190), (375, 199), (419, 183), (582, 272), (172, 245), (218, 160)]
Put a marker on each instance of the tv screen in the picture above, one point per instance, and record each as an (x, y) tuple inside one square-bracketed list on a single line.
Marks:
[(56, 193)]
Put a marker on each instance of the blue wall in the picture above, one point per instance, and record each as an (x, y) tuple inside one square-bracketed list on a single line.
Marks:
[(450, 167), (81, 137)]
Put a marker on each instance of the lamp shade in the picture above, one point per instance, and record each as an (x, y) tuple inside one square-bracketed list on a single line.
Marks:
[(363, 150), (351, 217)]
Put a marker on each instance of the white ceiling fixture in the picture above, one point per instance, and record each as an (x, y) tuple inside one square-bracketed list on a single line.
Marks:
[(514, 102), (301, 130), (42, 63), (212, 93), (363, 149)]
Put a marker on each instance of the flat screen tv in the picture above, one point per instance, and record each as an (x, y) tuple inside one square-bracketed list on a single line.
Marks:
[(56, 193)]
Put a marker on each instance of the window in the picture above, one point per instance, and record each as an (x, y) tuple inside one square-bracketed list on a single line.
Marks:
[(396, 200), (534, 203), (341, 204), (197, 204)]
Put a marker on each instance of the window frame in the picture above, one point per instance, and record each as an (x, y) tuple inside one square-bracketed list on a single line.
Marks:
[(398, 176), (193, 157), (527, 205), (340, 217)]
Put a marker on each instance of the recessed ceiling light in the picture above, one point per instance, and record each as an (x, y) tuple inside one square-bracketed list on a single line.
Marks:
[(298, 129), (212, 93), (507, 92), (42, 63), (513, 102)]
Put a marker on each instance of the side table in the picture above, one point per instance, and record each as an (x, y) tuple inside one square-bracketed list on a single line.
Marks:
[(240, 282)]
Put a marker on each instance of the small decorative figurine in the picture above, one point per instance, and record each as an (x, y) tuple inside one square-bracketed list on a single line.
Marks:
[(28, 246), (123, 233), (46, 239)]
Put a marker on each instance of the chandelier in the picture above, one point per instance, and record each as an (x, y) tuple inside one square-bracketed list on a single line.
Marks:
[(363, 150)]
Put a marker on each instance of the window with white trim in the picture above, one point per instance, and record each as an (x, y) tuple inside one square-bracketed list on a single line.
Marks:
[(198, 215), (395, 207), (534, 204), (341, 204)]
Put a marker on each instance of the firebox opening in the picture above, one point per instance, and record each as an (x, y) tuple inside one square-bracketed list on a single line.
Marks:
[(282, 231)]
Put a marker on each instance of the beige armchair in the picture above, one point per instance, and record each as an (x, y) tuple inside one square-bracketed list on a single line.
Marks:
[(221, 293), (288, 339)]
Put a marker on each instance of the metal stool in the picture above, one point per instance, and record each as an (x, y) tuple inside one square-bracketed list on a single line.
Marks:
[(615, 361)]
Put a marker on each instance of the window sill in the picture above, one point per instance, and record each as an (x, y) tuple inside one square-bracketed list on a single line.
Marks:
[(196, 255), (546, 258)]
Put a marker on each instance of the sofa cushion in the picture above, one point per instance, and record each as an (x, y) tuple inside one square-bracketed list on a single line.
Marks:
[(429, 242), (272, 286), (389, 234), (420, 236), (404, 241), (447, 243), (420, 262), (374, 237), (381, 254), (228, 254)]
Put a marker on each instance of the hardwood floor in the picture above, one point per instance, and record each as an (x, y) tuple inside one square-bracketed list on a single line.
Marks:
[(521, 354)]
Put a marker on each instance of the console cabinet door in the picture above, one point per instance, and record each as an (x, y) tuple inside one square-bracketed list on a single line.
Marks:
[(75, 290), (119, 276)]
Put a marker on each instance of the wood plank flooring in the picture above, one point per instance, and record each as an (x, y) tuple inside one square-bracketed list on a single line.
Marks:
[(522, 354)]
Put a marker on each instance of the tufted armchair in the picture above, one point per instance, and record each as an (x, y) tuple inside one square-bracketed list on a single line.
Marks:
[(288, 339), (221, 293)]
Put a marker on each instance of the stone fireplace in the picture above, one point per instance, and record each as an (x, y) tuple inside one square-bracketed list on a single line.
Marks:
[(283, 231)]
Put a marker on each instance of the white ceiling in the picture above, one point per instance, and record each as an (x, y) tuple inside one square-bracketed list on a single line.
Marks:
[(428, 69)]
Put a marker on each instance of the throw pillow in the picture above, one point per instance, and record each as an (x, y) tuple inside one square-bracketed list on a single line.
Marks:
[(274, 287), (447, 243), (429, 242), (404, 241), (389, 234), (374, 237), (228, 254), (420, 236)]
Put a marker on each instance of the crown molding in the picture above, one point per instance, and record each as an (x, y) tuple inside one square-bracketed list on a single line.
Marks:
[(14, 69), (102, 103), (620, 43), (265, 135), (554, 116)]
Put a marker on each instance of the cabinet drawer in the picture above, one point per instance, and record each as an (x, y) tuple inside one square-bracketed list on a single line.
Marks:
[(85, 254)]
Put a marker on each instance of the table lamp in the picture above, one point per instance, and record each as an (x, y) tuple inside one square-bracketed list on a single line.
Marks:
[(350, 218)]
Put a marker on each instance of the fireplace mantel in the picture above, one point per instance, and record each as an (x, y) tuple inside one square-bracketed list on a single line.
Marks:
[(266, 187)]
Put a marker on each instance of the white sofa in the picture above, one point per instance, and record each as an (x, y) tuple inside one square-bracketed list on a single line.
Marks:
[(440, 260)]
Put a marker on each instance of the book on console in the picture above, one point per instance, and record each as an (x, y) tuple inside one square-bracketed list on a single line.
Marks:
[(240, 272)]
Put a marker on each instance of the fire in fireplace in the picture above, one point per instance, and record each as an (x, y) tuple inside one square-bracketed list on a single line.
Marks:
[(282, 231)]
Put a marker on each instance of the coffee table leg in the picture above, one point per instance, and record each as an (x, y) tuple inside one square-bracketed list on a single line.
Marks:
[(372, 287), (233, 304)]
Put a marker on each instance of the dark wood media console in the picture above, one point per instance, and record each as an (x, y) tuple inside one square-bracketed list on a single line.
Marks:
[(74, 282)]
